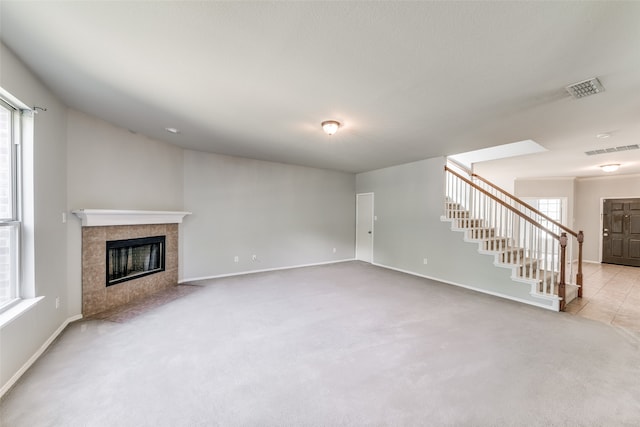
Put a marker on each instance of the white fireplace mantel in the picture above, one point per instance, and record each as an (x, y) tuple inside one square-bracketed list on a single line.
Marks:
[(102, 217)]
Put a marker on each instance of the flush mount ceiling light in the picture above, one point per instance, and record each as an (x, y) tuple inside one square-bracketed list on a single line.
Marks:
[(610, 168), (172, 130), (604, 135), (585, 88), (330, 126)]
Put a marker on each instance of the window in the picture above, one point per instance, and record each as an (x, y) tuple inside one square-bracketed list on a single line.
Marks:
[(9, 204), (551, 207), (554, 208)]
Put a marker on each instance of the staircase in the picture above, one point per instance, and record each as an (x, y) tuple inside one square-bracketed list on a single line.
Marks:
[(536, 248)]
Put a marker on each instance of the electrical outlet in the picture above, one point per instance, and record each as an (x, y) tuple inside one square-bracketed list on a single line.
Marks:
[(236, 258), (57, 302), (64, 217), (424, 261), (254, 257), (334, 250)]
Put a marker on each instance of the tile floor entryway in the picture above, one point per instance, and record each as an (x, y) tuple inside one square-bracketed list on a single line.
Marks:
[(611, 295)]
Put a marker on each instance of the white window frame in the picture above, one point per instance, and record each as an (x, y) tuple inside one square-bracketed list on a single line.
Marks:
[(13, 222), (562, 202)]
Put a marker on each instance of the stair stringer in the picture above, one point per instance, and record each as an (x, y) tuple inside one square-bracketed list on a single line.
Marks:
[(571, 289), (551, 302)]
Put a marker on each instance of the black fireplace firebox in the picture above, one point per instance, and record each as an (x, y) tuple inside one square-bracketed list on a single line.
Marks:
[(133, 258)]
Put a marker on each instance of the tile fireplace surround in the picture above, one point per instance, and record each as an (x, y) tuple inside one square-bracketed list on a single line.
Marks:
[(113, 225)]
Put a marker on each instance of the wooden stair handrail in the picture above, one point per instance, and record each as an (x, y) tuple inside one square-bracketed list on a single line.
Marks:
[(579, 235), (562, 239), (526, 205), (501, 202)]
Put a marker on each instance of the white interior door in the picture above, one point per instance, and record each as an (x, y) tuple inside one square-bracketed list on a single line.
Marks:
[(364, 227)]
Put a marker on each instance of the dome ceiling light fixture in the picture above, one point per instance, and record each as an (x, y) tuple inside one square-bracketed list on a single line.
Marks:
[(610, 168), (330, 126)]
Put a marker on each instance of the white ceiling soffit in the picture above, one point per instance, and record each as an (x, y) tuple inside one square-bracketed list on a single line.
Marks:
[(504, 151), (407, 80)]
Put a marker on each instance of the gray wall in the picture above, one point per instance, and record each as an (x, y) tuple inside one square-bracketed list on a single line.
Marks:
[(43, 228), (285, 215), (408, 205), (112, 168), (492, 171), (589, 195)]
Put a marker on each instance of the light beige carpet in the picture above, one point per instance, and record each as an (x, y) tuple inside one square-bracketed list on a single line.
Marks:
[(348, 344)]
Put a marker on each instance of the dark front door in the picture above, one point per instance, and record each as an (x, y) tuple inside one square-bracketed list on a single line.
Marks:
[(621, 232)]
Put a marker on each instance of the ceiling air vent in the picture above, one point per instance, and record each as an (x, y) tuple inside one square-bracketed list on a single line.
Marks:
[(585, 88), (612, 150)]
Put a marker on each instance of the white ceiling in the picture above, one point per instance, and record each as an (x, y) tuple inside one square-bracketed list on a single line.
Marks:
[(409, 80)]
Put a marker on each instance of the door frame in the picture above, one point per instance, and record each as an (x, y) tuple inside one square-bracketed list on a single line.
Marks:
[(602, 199), (373, 218)]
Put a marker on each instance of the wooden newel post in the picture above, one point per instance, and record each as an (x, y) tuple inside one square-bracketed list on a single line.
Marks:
[(579, 275), (563, 261)]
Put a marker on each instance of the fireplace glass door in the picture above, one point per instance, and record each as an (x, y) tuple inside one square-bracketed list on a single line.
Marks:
[(133, 258)]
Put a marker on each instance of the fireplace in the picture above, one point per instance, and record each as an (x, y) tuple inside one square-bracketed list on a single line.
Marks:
[(144, 254), (133, 258)]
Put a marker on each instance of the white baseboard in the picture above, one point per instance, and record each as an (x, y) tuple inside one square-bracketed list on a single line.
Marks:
[(484, 291), (5, 388), (241, 273)]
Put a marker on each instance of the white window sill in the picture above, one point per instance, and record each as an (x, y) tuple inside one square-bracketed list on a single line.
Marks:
[(17, 310)]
